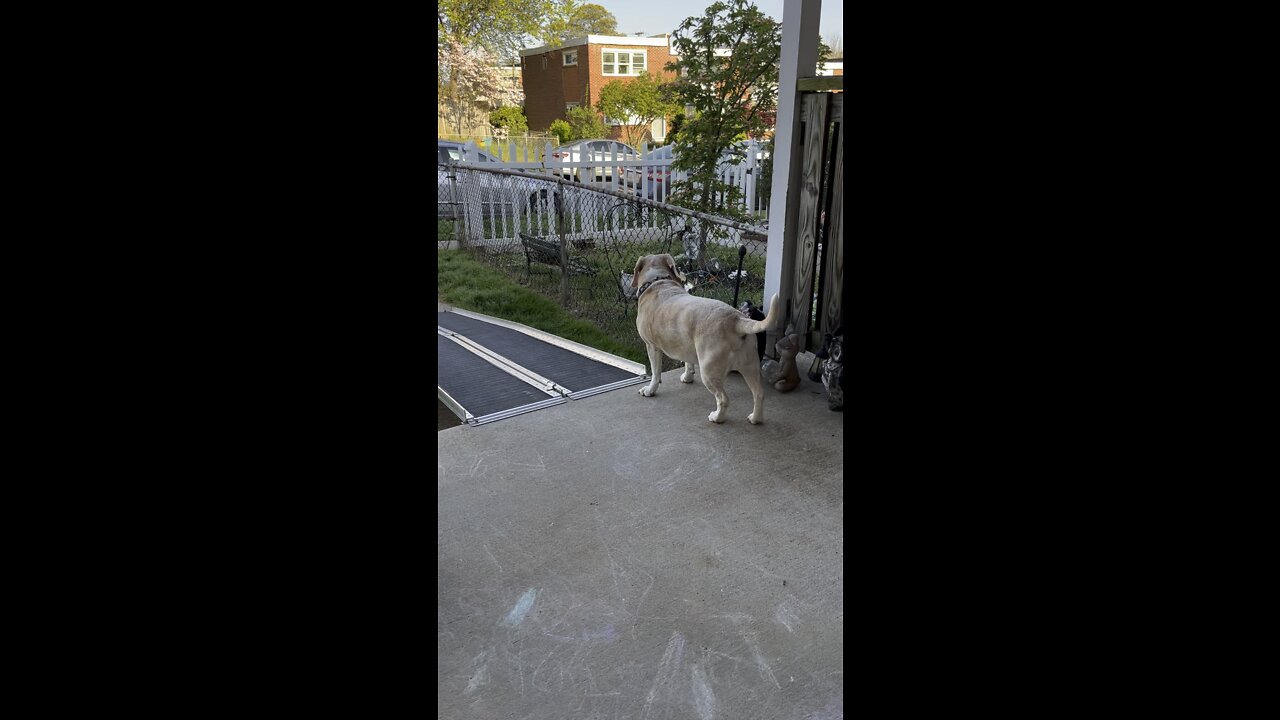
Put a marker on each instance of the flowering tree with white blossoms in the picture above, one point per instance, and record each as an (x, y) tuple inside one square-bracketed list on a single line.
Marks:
[(467, 78)]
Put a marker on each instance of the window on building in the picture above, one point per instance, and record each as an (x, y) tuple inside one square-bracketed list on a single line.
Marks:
[(617, 62), (570, 106), (570, 57)]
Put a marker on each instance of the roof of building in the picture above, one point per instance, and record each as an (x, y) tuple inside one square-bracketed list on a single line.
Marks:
[(654, 41)]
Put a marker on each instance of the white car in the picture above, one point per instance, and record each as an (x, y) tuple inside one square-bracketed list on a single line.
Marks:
[(594, 151), (658, 178), (495, 193), (453, 151)]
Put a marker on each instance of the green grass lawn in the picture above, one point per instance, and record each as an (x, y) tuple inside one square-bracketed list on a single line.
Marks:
[(471, 285), (446, 230)]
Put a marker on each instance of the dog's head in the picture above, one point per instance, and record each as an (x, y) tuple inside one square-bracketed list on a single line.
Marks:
[(649, 267)]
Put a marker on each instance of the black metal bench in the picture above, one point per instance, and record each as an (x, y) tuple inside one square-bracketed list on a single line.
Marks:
[(547, 252)]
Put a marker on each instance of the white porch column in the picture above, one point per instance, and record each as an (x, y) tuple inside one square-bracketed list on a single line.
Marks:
[(799, 59)]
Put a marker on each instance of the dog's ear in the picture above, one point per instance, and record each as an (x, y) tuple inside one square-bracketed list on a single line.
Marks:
[(635, 274), (670, 264)]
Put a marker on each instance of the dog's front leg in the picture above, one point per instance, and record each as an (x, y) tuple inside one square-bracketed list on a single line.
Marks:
[(655, 367)]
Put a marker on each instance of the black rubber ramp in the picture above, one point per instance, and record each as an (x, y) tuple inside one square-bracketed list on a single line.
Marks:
[(479, 387), (563, 367)]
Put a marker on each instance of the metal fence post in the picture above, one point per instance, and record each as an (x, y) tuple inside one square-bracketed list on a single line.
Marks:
[(460, 225), (564, 248), (703, 229)]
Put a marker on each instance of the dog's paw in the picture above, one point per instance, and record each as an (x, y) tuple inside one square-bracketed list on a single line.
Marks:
[(752, 419), (686, 378), (645, 391), (716, 417)]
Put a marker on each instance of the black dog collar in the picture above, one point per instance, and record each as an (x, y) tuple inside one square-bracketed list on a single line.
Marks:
[(645, 286)]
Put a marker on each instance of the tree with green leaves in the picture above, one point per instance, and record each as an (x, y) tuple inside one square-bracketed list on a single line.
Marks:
[(592, 19), (501, 26), (733, 92), (568, 19), (636, 103), (824, 52)]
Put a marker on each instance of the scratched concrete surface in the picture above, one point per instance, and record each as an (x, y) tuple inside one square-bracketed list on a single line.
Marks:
[(621, 557)]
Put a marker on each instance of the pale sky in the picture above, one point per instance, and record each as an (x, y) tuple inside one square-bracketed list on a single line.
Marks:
[(662, 16)]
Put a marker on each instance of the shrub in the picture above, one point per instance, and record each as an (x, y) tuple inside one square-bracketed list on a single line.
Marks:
[(562, 131), (510, 119), (585, 123)]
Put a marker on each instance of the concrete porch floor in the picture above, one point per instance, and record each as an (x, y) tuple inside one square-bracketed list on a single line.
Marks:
[(622, 557)]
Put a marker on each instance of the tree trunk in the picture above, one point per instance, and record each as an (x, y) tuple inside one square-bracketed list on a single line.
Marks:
[(457, 105)]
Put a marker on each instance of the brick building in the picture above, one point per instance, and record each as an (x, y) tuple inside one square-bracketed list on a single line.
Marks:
[(556, 79)]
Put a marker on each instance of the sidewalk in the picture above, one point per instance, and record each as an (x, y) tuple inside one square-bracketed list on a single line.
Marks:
[(621, 555)]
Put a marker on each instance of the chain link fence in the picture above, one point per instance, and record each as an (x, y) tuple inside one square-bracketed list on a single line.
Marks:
[(578, 244)]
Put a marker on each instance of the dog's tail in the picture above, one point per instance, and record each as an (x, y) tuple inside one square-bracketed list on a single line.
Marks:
[(752, 327)]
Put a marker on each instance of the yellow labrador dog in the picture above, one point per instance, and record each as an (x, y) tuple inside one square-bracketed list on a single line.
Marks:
[(699, 332)]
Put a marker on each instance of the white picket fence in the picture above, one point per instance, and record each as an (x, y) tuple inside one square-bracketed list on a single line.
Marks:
[(650, 175), (498, 207)]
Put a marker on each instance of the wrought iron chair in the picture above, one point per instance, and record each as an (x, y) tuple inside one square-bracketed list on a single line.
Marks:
[(629, 223)]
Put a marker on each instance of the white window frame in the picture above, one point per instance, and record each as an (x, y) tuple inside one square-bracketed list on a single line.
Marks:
[(568, 54), (631, 62), (658, 123), (570, 105)]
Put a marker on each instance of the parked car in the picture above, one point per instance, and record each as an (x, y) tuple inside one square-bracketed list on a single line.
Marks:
[(658, 178), (601, 151), (497, 194), (453, 151)]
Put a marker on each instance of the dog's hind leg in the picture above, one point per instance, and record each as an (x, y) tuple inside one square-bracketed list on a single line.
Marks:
[(655, 366), (713, 374), (687, 376), (751, 373), (722, 401)]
